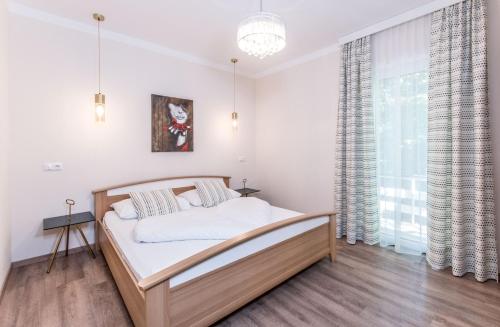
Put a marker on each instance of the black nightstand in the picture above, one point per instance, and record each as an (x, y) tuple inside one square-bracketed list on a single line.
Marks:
[(246, 191), (65, 222)]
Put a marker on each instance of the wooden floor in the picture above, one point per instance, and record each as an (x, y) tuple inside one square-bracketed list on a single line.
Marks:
[(367, 286)]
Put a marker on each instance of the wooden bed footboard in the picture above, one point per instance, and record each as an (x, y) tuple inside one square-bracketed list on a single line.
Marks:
[(206, 299), (201, 301)]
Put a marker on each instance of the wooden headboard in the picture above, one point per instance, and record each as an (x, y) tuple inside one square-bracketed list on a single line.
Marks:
[(103, 201)]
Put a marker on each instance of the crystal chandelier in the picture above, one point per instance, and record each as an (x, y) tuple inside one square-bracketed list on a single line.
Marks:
[(262, 34)]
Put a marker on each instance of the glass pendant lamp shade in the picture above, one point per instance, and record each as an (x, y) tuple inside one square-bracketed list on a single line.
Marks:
[(100, 108), (234, 118), (262, 34)]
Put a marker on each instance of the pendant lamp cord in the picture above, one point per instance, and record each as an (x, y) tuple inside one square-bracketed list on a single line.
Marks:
[(234, 86), (99, 51)]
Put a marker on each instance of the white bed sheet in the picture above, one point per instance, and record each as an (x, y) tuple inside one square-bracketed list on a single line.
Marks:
[(146, 259)]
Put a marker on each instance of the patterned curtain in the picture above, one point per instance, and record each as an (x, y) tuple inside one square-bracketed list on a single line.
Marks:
[(461, 231), (355, 177)]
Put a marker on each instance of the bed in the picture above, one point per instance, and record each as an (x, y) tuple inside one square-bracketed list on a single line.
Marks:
[(196, 283)]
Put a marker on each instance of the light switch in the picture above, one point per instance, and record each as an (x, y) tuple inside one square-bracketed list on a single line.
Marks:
[(53, 166), (242, 159)]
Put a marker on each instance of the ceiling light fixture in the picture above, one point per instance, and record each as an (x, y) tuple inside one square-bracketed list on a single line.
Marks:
[(234, 115), (100, 99), (262, 34)]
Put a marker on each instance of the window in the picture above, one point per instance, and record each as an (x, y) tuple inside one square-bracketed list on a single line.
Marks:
[(400, 88)]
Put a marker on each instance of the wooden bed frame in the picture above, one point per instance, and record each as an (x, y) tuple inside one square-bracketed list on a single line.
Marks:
[(201, 301)]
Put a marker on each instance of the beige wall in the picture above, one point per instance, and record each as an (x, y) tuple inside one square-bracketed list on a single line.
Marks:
[(53, 78), (4, 146), (52, 83), (296, 123), (296, 126)]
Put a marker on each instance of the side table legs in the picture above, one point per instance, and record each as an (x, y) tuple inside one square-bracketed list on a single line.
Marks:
[(59, 238), (86, 242), (67, 241), (53, 256)]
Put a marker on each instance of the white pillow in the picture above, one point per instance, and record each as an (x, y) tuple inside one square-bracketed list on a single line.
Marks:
[(125, 209), (183, 203), (234, 193), (192, 197)]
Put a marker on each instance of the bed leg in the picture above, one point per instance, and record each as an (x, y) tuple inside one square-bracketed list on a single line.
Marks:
[(97, 246), (333, 237), (157, 305), (99, 211)]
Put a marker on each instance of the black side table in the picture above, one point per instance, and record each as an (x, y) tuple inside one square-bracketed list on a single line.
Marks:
[(246, 191), (65, 222)]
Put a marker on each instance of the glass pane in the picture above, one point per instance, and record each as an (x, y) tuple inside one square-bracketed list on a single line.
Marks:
[(401, 125)]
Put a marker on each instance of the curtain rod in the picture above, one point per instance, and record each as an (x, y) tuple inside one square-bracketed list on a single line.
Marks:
[(400, 19)]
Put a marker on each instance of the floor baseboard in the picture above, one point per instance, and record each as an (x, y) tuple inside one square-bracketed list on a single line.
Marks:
[(46, 257)]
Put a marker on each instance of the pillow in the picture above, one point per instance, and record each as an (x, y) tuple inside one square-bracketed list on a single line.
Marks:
[(234, 193), (154, 203), (125, 209), (212, 192), (183, 203), (192, 197)]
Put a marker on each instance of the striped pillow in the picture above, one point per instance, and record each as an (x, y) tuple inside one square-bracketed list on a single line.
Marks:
[(154, 203), (212, 192)]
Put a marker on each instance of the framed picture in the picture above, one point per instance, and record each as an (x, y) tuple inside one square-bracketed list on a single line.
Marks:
[(171, 124)]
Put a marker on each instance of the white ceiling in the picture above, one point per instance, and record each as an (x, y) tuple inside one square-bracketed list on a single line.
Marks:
[(207, 28)]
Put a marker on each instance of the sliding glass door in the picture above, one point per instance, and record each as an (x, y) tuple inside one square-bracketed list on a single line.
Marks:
[(400, 88)]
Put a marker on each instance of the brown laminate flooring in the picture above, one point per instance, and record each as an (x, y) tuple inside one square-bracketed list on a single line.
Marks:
[(366, 286)]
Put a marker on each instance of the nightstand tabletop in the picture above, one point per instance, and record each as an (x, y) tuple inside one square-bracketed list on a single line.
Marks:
[(61, 221), (246, 191)]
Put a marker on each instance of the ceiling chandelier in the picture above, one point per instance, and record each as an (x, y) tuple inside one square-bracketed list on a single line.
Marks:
[(262, 34)]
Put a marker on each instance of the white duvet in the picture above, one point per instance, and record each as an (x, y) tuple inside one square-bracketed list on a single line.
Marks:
[(222, 222)]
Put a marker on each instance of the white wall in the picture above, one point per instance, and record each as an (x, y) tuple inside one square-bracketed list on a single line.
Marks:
[(296, 126), (53, 79), (296, 123), (4, 146)]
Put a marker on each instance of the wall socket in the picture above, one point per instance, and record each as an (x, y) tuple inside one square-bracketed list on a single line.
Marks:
[(53, 166)]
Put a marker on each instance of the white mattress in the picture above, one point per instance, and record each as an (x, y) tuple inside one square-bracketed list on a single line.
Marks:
[(146, 259)]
